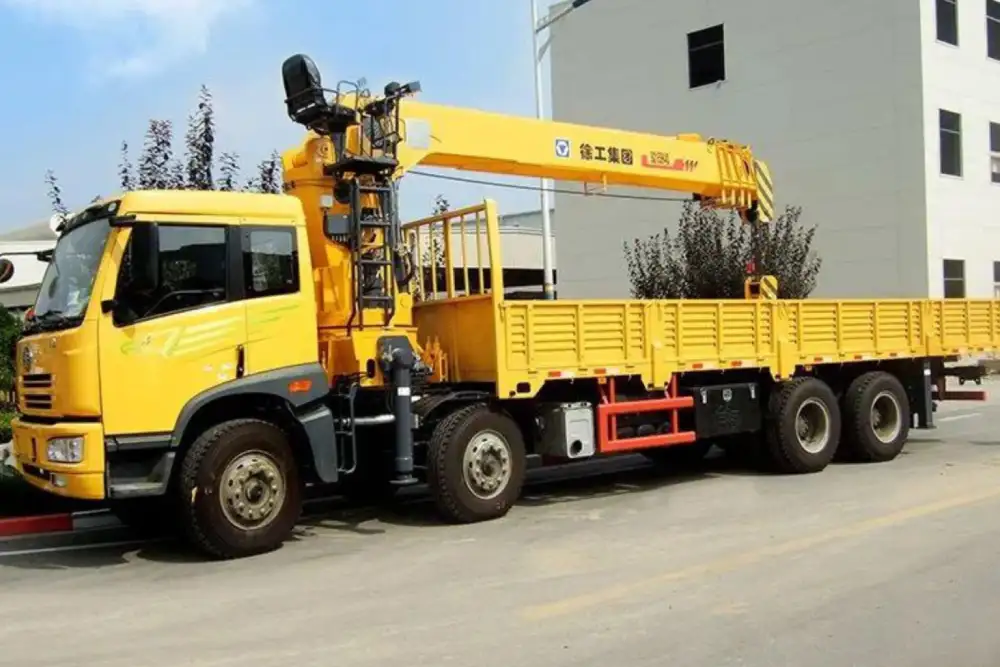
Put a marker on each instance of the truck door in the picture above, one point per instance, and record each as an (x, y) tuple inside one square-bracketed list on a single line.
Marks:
[(175, 343), (281, 309)]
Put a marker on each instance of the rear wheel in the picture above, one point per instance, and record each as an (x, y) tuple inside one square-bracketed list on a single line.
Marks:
[(803, 426), (239, 490), (476, 464), (876, 418)]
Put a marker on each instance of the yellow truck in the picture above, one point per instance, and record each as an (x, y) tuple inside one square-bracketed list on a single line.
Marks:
[(201, 357)]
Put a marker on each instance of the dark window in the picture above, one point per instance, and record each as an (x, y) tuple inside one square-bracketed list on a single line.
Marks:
[(706, 56), (192, 274), (947, 21), (995, 152), (996, 272), (993, 29), (270, 262), (954, 278), (951, 142)]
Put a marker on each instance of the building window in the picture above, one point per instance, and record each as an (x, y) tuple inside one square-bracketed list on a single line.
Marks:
[(270, 262), (995, 152), (947, 21), (954, 278), (996, 280), (706, 56), (993, 29), (950, 124)]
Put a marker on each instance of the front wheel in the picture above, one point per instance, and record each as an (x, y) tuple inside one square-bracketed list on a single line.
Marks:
[(239, 491), (476, 464)]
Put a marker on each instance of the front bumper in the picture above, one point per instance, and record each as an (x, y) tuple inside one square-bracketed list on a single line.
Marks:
[(84, 480)]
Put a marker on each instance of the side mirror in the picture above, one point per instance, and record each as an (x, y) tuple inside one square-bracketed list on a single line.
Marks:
[(6, 270), (145, 249)]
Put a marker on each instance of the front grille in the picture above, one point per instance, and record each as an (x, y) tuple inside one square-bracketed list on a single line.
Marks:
[(37, 401), (37, 381), (36, 391)]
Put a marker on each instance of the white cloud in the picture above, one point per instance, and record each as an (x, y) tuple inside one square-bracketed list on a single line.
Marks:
[(152, 34)]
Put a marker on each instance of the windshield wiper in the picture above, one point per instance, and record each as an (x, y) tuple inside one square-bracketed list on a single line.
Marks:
[(51, 320)]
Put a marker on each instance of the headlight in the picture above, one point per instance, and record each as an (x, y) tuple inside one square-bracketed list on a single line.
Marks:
[(65, 450)]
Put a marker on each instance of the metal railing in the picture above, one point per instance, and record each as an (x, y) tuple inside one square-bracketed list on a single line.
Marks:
[(456, 254)]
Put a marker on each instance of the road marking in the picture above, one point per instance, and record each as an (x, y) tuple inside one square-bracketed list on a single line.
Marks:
[(726, 564), (76, 547), (955, 418)]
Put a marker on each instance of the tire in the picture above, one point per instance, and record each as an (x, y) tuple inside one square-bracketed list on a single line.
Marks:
[(247, 454), (679, 456), (802, 402), (876, 418), (450, 455)]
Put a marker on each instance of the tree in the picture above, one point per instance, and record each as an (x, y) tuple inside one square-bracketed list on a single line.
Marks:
[(10, 331), (268, 178), (709, 256), (200, 143), (55, 194), (126, 173), (229, 172), (159, 166)]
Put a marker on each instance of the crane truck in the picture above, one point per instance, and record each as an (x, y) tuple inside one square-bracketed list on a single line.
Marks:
[(204, 356)]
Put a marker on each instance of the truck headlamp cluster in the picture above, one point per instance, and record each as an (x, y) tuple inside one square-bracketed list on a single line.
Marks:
[(65, 450)]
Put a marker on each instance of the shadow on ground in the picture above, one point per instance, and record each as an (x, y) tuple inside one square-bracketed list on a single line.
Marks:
[(413, 508)]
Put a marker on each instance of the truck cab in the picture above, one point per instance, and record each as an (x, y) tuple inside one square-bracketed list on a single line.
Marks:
[(156, 309)]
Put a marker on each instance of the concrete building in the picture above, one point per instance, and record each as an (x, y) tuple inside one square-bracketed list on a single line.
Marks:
[(880, 118)]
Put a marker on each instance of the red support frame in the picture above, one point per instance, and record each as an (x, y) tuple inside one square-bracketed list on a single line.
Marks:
[(609, 408)]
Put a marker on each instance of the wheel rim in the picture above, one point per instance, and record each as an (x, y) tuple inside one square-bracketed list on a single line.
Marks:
[(812, 425), (252, 491), (886, 417), (487, 464)]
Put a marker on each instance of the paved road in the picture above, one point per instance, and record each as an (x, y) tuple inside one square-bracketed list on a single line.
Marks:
[(892, 564)]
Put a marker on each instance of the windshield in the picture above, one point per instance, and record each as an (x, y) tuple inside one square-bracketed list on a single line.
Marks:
[(69, 279)]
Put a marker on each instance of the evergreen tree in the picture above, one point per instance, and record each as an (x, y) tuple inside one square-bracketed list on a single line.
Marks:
[(154, 164), (126, 172), (55, 194), (160, 167), (229, 171), (268, 177), (200, 143)]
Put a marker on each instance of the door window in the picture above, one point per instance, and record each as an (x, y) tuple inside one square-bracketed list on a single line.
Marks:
[(192, 274), (270, 262)]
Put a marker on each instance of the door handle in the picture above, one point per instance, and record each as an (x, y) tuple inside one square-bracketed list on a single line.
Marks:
[(240, 361)]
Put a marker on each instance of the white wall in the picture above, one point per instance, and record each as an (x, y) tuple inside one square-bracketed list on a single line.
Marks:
[(828, 93), (963, 214), (21, 289)]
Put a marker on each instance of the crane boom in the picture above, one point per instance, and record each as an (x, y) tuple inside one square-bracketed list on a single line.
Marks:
[(719, 172), (359, 145)]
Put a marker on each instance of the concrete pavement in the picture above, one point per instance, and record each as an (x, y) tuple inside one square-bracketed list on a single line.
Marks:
[(884, 564)]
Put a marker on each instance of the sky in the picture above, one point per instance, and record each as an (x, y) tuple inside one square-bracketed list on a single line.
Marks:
[(81, 76)]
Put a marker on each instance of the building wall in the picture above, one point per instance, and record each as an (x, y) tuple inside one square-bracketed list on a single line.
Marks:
[(828, 93), (963, 213), (18, 294)]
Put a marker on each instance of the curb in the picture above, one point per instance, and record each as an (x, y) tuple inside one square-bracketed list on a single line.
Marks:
[(57, 523)]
